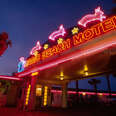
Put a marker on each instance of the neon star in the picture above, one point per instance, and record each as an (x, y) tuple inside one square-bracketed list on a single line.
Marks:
[(75, 30), (46, 46), (60, 40)]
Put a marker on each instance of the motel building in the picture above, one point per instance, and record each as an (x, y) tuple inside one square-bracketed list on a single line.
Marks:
[(81, 52)]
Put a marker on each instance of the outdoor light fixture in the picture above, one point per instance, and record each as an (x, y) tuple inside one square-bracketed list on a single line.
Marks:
[(86, 70), (38, 90), (61, 76), (86, 73), (35, 74), (45, 95), (28, 94), (100, 94), (83, 93)]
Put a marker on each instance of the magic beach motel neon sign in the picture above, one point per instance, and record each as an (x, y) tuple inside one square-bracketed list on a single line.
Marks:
[(77, 39), (103, 27)]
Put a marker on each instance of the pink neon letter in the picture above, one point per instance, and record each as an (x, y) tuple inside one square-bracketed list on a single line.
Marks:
[(60, 32), (98, 15)]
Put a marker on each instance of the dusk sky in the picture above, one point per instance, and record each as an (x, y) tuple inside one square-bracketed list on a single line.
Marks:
[(27, 21)]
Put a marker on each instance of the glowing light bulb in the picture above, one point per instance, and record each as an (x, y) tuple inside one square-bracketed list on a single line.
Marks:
[(85, 68), (83, 93), (61, 75), (35, 74), (86, 73)]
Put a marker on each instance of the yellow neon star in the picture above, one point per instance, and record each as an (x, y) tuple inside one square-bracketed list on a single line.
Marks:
[(46, 46), (60, 40), (75, 30)]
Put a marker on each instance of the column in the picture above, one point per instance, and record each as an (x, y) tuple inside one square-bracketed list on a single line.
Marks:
[(49, 96), (64, 96), (42, 103), (32, 99), (77, 90), (108, 84)]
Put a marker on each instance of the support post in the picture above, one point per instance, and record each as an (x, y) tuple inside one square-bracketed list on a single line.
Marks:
[(108, 84), (64, 96), (42, 103), (77, 90), (49, 96), (32, 100)]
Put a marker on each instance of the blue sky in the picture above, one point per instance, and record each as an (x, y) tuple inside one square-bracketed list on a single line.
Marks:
[(27, 21)]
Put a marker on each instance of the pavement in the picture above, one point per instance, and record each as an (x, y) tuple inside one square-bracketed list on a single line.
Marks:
[(77, 111)]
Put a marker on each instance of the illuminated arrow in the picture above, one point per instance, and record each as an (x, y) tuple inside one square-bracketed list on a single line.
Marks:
[(60, 32), (98, 15)]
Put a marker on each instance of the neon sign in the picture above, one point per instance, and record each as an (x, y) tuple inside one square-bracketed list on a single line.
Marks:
[(55, 34), (96, 30), (21, 64), (98, 15), (32, 60), (56, 49), (34, 49), (77, 39)]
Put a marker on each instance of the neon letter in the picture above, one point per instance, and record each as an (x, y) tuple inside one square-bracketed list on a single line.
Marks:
[(77, 39), (96, 29), (88, 34), (108, 25)]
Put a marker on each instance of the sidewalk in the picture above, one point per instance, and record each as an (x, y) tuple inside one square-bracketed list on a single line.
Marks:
[(60, 112)]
